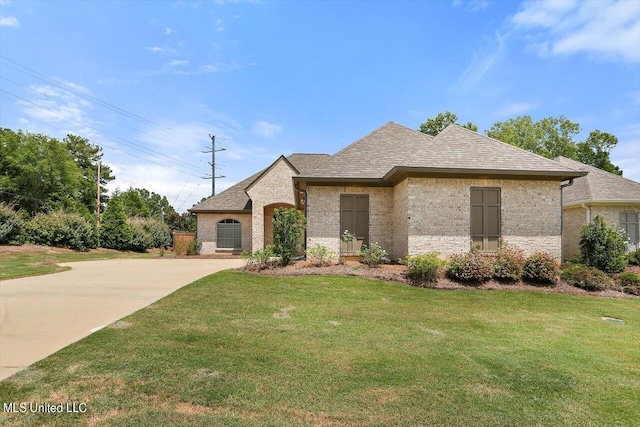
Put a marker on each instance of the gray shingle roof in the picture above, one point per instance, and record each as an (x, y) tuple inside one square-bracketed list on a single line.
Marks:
[(598, 185), (234, 198), (373, 155), (455, 149)]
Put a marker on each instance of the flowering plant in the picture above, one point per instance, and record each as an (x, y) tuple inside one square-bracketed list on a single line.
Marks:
[(347, 237)]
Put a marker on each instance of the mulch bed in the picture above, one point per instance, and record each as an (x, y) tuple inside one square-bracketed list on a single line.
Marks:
[(398, 273)]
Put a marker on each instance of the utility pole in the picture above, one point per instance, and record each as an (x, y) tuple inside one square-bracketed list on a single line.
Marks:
[(213, 176), (98, 204)]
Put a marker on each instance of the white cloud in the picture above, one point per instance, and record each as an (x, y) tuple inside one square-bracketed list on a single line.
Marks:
[(265, 129), (606, 30), (54, 104), (472, 5), (168, 31), (513, 109), (158, 49), (220, 25), (176, 63), (9, 21), (481, 64)]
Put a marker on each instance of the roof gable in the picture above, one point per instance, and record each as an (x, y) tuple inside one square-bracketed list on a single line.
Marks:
[(598, 185)]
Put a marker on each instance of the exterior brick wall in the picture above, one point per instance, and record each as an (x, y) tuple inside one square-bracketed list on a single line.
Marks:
[(275, 186), (611, 214), (207, 230), (323, 213), (439, 214), (573, 218), (433, 214), (400, 220)]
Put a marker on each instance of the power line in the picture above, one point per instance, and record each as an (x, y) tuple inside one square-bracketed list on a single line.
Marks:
[(125, 141), (24, 69), (142, 149)]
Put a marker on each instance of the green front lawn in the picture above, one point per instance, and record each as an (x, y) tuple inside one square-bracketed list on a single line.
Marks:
[(241, 349), (22, 264)]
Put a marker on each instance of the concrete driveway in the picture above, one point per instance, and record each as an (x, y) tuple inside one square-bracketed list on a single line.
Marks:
[(40, 315)]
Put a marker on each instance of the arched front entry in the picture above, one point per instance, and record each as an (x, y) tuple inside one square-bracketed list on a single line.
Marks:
[(268, 220)]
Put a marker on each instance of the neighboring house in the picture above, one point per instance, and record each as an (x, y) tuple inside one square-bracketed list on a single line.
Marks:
[(611, 196), (408, 191)]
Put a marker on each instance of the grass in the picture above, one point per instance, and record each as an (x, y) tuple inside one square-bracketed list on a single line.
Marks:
[(22, 264), (241, 349)]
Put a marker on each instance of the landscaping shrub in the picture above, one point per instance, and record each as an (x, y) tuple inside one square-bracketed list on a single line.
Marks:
[(603, 246), (195, 246), (508, 263), (141, 239), (321, 255), (634, 257), (541, 267), (372, 255), (148, 233), (630, 283), (115, 232), (288, 226), (11, 224), (585, 277), (262, 258), (425, 267), (471, 266), (61, 229)]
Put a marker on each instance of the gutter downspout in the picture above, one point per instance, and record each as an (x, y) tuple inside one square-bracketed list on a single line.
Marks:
[(588, 208), (562, 187)]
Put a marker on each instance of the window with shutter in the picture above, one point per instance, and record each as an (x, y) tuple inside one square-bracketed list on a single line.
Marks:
[(354, 215), (485, 218)]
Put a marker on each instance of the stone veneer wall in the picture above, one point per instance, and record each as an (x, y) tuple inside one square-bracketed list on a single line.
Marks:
[(573, 218), (275, 186), (323, 215), (439, 214), (207, 230)]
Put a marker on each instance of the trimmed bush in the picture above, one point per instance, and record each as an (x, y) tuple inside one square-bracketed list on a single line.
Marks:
[(195, 246), (472, 266), (603, 246), (321, 255), (634, 257), (288, 226), (148, 233), (262, 258), (372, 255), (508, 263), (11, 224), (541, 267), (425, 267), (585, 277), (61, 229)]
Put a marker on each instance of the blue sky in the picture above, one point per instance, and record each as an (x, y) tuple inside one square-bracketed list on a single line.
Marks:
[(148, 81)]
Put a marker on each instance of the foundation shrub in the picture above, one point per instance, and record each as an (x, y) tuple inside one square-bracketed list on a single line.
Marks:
[(630, 283), (426, 267), (634, 257), (470, 267), (262, 258), (320, 255), (508, 263), (541, 268), (603, 246), (372, 255), (585, 277)]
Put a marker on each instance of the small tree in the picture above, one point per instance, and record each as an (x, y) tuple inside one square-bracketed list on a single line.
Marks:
[(288, 226), (603, 246), (115, 233)]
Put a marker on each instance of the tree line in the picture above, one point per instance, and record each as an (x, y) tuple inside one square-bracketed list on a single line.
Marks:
[(41, 175), (549, 137)]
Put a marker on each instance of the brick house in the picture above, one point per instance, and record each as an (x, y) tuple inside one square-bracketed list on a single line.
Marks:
[(408, 191), (611, 196)]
